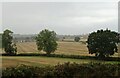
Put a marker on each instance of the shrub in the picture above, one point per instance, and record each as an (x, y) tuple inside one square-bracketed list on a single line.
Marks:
[(66, 70)]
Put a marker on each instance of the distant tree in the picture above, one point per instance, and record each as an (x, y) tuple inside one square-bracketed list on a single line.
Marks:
[(46, 41), (27, 39), (63, 38), (76, 39), (7, 42), (103, 43)]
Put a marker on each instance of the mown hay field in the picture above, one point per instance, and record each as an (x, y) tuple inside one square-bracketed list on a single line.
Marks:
[(67, 48)]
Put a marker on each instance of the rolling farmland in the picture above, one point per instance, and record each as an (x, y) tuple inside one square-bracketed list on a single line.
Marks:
[(69, 48), (66, 48)]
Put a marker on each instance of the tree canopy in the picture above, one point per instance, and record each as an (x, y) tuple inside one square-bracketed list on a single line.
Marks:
[(7, 44), (76, 39), (46, 41), (103, 43)]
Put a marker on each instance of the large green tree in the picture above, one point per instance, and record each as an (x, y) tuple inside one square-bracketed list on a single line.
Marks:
[(7, 42), (103, 43), (46, 41)]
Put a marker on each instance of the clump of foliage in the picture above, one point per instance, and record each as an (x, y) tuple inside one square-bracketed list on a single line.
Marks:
[(66, 70), (9, 47), (76, 39), (24, 71), (91, 70), (46, 41), (103, 43)]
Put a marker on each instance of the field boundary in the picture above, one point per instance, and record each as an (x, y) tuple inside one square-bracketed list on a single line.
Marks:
[(66, 56)]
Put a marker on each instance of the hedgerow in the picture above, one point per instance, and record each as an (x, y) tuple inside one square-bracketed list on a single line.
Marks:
[(67, 56), (66, 70)]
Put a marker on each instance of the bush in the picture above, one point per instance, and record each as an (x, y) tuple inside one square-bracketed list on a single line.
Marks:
[(92, 70), (24, 71), (66, 70)]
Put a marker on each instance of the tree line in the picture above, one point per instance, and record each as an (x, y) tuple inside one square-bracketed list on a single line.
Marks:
[(102, 43)]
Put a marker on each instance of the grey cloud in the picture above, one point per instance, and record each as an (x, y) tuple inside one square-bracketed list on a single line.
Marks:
[(64, 18)]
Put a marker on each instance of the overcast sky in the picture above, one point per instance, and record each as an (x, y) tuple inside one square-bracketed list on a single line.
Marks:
[(62, 17)]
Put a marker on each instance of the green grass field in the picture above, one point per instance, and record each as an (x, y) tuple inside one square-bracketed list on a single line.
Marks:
[(8, 61)]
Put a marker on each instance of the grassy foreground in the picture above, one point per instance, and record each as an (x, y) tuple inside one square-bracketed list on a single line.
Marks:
[(9, 61)]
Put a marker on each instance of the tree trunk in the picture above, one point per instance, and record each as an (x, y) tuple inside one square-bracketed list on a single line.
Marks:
[(101, 56), (48, 53)]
